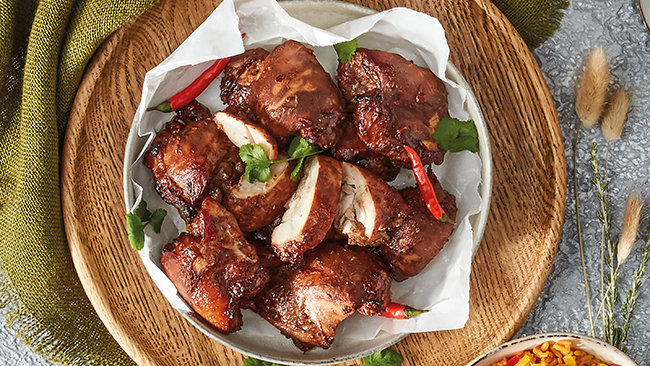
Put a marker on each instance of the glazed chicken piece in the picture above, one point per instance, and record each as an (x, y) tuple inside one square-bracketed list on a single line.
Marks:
[(307, 301), (310, 210), (288, 91), (420, 237), (191, 159), (256, 205), (213, 267), (352, 150), (394, 103), (369, 209)]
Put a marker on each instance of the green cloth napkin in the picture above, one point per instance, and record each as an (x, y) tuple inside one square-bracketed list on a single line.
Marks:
[(44, 48)]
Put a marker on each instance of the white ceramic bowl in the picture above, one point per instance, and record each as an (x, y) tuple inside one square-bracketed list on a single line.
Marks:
[(593, 346), (325, 14)]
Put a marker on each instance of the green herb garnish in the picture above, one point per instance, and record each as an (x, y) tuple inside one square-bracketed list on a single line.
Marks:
[(455, 135), (387, 357), (258, 165), (139, 219), (255, 362), (346, 50)]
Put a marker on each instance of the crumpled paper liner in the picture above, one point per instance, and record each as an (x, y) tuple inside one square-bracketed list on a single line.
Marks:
[(443, 287)]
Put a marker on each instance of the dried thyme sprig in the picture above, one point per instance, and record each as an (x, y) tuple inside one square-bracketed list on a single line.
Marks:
[(632, 293), (611, 293)]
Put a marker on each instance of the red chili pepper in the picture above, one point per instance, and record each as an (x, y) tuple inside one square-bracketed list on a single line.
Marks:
[(513, 361), (185, 96), (399, 311), (428, 193)]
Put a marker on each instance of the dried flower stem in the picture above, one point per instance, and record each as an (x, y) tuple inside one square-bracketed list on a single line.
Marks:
[(582, 252), (611, 294), (632, 293)]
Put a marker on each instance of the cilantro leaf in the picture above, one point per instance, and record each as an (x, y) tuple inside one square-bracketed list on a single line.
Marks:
[(156, 219), (299, 148), (296, 171), (135, 231), (142, 211), (255, 362), (258, 170), (139, 219), (346, 50), (252, 154), (454, 135), (258, 165), (387, 357)]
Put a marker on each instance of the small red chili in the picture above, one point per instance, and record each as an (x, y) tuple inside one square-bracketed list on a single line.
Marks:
[(185, 96), (428, 193), (513, 361), (399, 311)]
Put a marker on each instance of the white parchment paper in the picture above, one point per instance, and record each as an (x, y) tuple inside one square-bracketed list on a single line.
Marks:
[(443, 287)]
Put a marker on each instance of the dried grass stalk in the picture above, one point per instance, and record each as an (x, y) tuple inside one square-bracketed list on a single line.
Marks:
[(592, 88), (630, 227), (616, 114)]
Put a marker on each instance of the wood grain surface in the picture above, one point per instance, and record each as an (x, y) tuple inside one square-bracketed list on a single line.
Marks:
[(508, 272)]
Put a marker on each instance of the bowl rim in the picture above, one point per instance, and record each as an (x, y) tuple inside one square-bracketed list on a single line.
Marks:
[(478, 221), (540, 336)]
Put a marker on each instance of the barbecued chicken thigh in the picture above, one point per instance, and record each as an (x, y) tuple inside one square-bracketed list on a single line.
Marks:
[(213, 267), (191, 158), (394, 103), (310, 210), (308, 300), (287, 91), (420, 237), (369, 209)]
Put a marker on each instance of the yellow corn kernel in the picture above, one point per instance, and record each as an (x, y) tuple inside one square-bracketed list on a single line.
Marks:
[(544, 346), (500, 363), (569, 360), (553, 363), (564, 343), (579, 353)]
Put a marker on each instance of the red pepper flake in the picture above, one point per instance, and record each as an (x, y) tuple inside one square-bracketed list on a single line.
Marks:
[(513, 361), (428, 193)]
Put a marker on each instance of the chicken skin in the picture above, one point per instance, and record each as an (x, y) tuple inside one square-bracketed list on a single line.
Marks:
[(307, 301), (420, 237), (287, 91), (213, 267), (191, 159), (394, 103)]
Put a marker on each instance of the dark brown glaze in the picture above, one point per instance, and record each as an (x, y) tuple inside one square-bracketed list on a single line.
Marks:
[(256, 205), (191, 159), (213, 267), (368, 209), (310, 211), (288, 91), (352, 150), (307, 301), (421, 237), (394, 103)]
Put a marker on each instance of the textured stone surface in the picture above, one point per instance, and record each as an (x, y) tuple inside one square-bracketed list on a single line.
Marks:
[(616, 26)]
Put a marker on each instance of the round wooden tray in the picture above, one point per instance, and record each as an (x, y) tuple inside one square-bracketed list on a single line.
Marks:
[(509, 269)]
